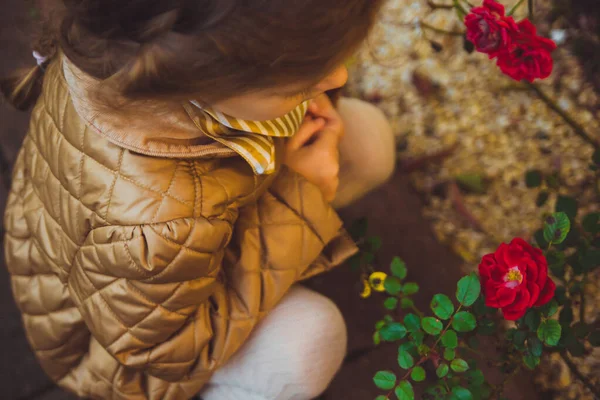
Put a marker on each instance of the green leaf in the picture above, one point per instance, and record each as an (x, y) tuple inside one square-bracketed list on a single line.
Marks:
[(449, 354), (468, 289), (381, 397), (581, 329), (531, 361), (519, 339), (412, 322), (473, 183), (532, 319), (442, 306), (374, 243), (561, 295), (464, 321), (539, 239), (591, 223), (449, 339), (460, 393), (475, 377), (405, 359), (385, 380), (556, 228), (542, 198), (594, 338), (376, 338), (390, 303), (380, 324), (398, 268), (459, 365), (410, 288), (431, 325), (418, 374), (392, 332), (566, 315), (535, 346), (549, 309), (487, 327), (404, 391), (392, 285), (568, 205), (417, 337), (556, 262), (549, 332), (388, 318), (533, 178), (442, 370), (406, 303)]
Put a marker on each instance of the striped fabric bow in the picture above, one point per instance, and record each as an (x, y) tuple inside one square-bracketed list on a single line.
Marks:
[(253, 140)]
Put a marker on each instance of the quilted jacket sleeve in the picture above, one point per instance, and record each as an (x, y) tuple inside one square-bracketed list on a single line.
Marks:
[(177, 299), (144, 292)]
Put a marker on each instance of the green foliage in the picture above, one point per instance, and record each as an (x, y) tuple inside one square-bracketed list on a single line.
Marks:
[(464, 321), (533, 178), (450, 339), (432, 325), (468, 290), (392, 285), (449, 354), (442, 370), (556, 228), (567, 205), (531, 361), (404, 391), (385, 380), (391, 303), (410, 288), (459, 365), (442, 306), (412, 322), (418, 374), (398, 268), (549, 332), (392, 332), (460, 393), (405, 359)]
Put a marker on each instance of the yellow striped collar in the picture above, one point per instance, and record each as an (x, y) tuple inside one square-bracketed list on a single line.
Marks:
[(253, 140)]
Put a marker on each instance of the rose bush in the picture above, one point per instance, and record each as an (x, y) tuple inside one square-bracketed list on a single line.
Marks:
[(515, 278)]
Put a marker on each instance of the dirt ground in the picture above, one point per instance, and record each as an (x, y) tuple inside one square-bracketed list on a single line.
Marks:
[(393, 212)]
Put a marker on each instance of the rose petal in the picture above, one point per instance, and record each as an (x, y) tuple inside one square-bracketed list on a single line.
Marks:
[(534, 293), (513, 315), (547, 293), (494, 6), (505, 297)]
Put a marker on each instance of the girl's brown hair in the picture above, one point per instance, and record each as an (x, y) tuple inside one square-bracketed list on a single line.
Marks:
[(204, 49)]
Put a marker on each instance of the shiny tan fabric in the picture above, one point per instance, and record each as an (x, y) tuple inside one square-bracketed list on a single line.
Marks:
[(139, 275)]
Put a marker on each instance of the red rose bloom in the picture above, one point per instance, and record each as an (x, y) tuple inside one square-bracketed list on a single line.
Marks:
[(488, 29), (528, 56), (515, 278)]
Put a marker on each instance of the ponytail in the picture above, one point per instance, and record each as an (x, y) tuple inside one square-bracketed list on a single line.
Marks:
[(22, 88)]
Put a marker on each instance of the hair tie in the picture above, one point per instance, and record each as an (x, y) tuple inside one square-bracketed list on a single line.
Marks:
[(41, 60)]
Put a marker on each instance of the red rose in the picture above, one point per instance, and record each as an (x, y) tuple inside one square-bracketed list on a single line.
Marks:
[(515, 278), (488, 29), (528, 56)]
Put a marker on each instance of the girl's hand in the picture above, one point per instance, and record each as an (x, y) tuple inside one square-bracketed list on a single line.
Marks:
[(313, 150)]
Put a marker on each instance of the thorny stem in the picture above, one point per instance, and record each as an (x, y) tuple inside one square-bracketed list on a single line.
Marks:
[(438, 30), (582, 301), (515, 8), (577, 128), (530, 6), (584, 379)]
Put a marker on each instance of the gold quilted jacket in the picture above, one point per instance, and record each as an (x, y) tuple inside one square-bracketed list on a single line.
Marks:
[(140, 266)]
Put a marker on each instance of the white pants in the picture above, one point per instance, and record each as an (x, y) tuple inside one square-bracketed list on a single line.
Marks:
[(292, 354), (296, 350)]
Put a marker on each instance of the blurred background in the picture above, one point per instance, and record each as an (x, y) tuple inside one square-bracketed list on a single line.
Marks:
[(466, 137)]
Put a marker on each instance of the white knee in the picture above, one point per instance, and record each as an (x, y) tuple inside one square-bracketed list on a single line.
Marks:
[(319, 333)]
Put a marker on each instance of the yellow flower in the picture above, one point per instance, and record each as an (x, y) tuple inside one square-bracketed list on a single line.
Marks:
[(376, 281), (366, 292)]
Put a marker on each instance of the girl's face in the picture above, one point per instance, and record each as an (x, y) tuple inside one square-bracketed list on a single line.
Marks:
[(275, 102)]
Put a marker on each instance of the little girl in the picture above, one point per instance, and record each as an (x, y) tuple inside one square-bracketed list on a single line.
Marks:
[(177, 182)]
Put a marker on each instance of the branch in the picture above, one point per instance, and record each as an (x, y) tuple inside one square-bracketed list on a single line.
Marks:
[(577, 128), (442, 31), (584, 379), (530, 6)]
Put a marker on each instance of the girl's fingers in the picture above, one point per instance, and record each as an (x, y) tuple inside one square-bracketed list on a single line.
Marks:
[(309, 127)]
